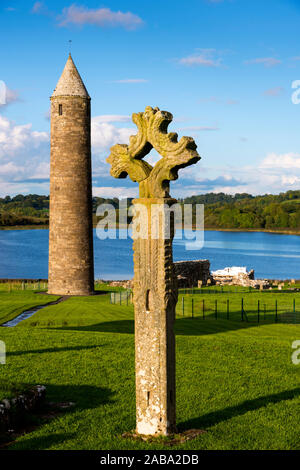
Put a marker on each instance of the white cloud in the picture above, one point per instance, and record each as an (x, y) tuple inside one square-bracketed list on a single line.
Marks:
[(287, 161), (24, 155), (110, 192), (10, 168), (275, 173), (24, 152), (24, 164), (111, 118), (266, 61), (14, 138), (102, 17), (42, 171), (105, 134), (202, 58), (7, 95)]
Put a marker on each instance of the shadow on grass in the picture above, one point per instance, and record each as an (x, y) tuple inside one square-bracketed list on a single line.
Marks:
[(51, 350), (187, 326), (84, 396), (40, 443), (216, 417), (59, 400), (119, 326)]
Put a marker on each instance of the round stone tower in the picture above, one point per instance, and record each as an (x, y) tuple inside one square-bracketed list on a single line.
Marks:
[(71, 267)]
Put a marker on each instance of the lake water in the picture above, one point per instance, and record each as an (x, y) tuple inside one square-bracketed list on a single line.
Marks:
[(24, 254)]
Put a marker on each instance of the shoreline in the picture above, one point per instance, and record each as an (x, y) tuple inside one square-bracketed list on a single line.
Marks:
[(209, 229), (279, 232)]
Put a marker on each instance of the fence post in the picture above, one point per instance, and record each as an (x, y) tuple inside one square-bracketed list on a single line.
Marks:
[(183, 306), (192, 308), (227, 309)]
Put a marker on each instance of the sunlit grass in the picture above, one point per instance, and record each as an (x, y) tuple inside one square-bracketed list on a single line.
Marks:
[(234, 379)]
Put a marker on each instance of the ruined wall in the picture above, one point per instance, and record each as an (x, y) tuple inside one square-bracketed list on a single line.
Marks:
[(190, 272)]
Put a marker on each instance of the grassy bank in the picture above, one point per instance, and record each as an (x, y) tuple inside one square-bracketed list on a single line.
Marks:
[(235, 379)]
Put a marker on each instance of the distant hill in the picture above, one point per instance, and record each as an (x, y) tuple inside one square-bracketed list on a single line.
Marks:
[(222, 211)]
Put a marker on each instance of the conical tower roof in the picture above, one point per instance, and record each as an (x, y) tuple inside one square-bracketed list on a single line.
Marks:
[(70, 82)]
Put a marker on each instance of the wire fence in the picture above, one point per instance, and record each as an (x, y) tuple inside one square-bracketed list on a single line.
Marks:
[(229, 309), (236, 290), (39, 285), (121, 297), (241, 309)]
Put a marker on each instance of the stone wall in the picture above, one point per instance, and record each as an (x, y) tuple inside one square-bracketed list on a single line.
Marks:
[(13, 411), (189, 273)]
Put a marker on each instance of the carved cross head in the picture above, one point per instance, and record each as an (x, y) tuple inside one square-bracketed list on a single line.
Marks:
[(152, 127)]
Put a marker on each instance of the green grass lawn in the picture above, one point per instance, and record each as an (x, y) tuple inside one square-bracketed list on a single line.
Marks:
[(235, 379), (15, 302)]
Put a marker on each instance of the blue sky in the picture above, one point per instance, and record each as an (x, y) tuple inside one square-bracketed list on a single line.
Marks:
[(224, 69)]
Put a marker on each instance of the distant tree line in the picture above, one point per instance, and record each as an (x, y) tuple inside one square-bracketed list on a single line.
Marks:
[(222, 211), (244, 211), (24, 210)]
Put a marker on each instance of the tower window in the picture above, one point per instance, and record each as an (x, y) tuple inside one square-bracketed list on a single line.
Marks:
[(147, 300), (60, 109)]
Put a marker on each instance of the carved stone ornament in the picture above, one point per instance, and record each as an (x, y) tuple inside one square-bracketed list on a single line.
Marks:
[(152, 127)]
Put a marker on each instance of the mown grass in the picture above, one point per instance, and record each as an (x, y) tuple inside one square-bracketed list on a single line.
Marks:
[(235, 379), (15, 302)]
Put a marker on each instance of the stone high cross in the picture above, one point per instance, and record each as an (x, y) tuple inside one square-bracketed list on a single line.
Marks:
[(155, 285)]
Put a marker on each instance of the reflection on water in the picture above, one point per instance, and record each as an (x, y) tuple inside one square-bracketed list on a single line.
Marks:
[(24, 253)]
